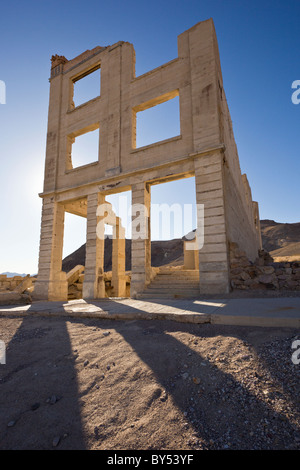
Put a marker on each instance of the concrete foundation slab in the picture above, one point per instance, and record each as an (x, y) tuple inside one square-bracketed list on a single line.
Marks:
[(275, 312)]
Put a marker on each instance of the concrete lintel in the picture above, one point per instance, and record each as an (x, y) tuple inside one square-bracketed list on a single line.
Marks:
[(122, 177)]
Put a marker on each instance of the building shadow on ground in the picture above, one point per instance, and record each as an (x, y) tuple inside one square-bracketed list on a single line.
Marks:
[(222, 409), (39, 403)]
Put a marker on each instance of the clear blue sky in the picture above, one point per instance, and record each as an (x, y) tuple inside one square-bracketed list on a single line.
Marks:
[(259, 43)]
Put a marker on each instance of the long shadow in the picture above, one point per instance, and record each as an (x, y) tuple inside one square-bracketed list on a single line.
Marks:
[(39, 405), (222, 411), (226, 412)]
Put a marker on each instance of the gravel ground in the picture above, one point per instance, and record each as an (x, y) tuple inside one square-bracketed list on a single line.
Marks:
[(99, 384)]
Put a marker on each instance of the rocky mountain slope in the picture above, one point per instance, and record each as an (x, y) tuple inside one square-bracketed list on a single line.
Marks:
[(162, 252), (281, 239)]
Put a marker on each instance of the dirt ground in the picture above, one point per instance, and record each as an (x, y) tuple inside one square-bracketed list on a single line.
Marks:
[(157, 385)]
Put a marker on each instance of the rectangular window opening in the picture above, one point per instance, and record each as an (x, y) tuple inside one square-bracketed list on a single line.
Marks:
[(74, 248), (157, 122), (173, 222), (84, 149), (86, 87)]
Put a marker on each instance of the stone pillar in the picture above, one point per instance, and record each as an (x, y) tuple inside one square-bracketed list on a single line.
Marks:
[(190, 255), (51, 282), (94, 285), (141, 242), (213, 256), (118, 260)]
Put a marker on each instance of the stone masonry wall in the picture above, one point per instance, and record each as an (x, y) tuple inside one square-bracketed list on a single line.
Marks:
[(9, 283), (263, 273)]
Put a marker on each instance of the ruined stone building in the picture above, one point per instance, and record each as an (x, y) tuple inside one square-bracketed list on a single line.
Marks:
[(204, 149)]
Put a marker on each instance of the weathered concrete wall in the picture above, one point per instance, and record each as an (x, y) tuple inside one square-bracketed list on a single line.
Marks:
[(205, 149), (213, 257), (242, 215), (191, 76), (240, 224)]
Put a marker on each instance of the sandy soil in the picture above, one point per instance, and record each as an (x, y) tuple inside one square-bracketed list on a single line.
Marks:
[(98, 384)]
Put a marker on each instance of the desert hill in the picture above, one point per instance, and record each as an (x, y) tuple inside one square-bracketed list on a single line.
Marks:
[(281, 240), (162, 252)]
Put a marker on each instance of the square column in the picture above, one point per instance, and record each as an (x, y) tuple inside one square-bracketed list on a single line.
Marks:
[(141, 242), (118, 260), (213, 256), (51, 282), (94, 285)]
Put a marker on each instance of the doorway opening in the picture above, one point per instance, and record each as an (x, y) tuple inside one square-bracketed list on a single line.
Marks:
[(117, 246), (174, 268), (173, 222), (74, 247)]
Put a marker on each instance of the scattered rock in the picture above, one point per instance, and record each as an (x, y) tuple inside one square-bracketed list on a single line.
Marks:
[(53, 399), (264, 274), (35, 406), (245, 276), (245, 357), (56, 441)]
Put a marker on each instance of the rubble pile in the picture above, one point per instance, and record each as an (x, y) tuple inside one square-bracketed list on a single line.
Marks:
[(264, 273)]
